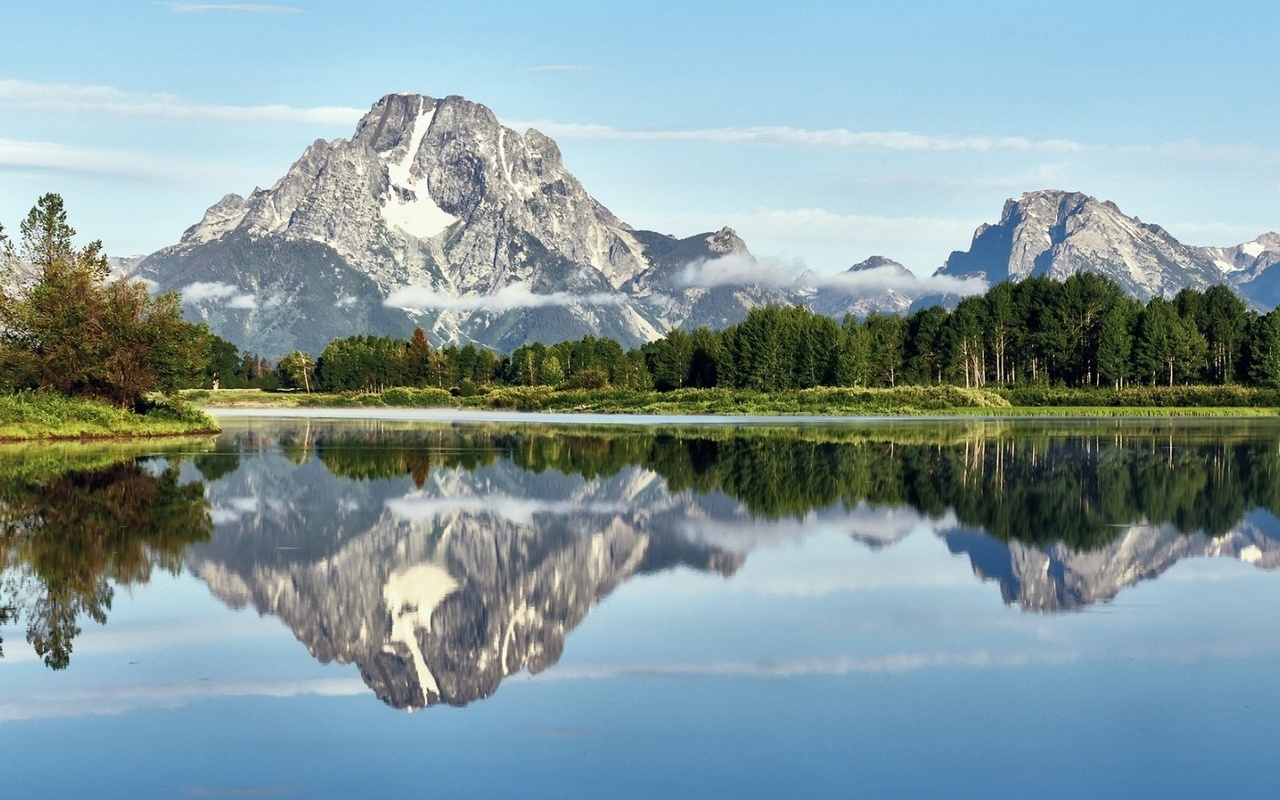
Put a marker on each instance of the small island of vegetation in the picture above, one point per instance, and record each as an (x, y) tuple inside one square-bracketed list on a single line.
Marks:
[(85, 357)]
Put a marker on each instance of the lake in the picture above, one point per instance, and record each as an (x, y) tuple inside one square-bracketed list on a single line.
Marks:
[(402, 604)]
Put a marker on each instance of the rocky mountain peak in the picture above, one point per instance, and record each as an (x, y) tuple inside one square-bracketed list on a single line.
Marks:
[(879, 262), (1059, 233), (725, 241)]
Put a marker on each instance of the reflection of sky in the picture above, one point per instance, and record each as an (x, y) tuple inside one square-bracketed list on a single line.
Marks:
[(821, 668), (907, 676)]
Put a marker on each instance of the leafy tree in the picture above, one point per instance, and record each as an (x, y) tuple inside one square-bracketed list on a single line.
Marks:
[(294, 370), (887, 336), (68, 330), (1168, 345), (1115, 344), (853, 354), (551, 373)]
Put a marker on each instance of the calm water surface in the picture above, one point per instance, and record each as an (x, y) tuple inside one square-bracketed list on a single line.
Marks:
[(352, 608)]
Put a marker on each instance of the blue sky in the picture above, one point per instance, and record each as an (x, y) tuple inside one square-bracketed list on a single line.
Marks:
[(823, 133)]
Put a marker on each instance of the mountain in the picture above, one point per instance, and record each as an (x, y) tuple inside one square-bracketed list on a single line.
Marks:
[(435, 214), (1057, 234), (1248, 267), (877, 285)]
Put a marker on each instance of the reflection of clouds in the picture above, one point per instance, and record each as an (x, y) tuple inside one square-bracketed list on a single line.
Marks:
[(875, 526), (837, 666), (120, 700), (517, 510), (891, 663), (232, 509), (154, 467), (881, 526)]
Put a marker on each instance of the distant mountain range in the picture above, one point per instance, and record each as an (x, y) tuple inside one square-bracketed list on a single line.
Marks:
[(433, 214)]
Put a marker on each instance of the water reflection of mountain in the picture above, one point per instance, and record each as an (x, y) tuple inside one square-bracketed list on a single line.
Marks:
[(437, 591), (440, 561)]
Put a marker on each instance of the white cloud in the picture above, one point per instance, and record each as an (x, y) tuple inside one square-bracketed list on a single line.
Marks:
[(217, 291), (516, 295), (516, 510), (111, 101), (789, 136), (837, 666), (94, 163), (742, 268), (244, 8), (111, 701)]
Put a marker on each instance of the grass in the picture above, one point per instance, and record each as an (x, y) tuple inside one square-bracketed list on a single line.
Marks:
[(43, 415), (944, 400)]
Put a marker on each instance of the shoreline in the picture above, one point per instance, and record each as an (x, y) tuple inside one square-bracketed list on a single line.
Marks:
[(44, 417)]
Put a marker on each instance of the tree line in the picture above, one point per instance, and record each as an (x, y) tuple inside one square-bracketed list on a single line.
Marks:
[(66, 327), (1081, 332)]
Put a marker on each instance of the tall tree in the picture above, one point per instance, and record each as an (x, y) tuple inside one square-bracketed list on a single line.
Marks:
[(68, 330)]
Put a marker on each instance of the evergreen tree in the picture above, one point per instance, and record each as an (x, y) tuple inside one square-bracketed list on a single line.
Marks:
[(1265, 348)]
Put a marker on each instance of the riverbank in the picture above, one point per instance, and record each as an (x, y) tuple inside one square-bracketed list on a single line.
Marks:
[(900, 401), (43, 416)]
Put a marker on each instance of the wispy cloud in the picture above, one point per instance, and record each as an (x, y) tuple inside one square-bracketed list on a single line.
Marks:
[(516, 295), (111, 101), (217, 292), (829, 137), (19, 156), (839, 666), (242, 8), (741, 268), (516, 510), (558, 68), (119, 700)]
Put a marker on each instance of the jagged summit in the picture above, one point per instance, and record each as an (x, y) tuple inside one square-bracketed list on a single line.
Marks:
[(1059, 233), (433, 213), (880, 262)]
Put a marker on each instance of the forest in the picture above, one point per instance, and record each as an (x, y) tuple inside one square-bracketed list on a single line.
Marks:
[(1082, 333)]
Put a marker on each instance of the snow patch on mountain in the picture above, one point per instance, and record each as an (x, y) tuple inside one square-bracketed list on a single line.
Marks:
[(408, 206)]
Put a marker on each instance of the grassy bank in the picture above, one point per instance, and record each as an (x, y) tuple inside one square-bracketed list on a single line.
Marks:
[(41, 415), (1212, 401)]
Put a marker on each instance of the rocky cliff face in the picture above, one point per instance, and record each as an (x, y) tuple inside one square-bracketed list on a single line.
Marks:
[(1249, 267), (1058, 234), (435, 214)]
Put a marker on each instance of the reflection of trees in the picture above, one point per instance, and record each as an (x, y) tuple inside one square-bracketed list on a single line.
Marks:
[(1073, 487), (65, 540)]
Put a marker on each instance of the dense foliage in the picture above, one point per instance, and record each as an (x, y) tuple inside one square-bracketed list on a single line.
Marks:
[(65, 328), (1082, 333)]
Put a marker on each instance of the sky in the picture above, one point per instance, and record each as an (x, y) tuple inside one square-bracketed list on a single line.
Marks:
[(822, 132)]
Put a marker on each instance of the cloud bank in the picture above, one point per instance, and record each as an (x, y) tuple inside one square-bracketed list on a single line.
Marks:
[(93, 163), (111, 101), (516, 295), (741, 268)]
